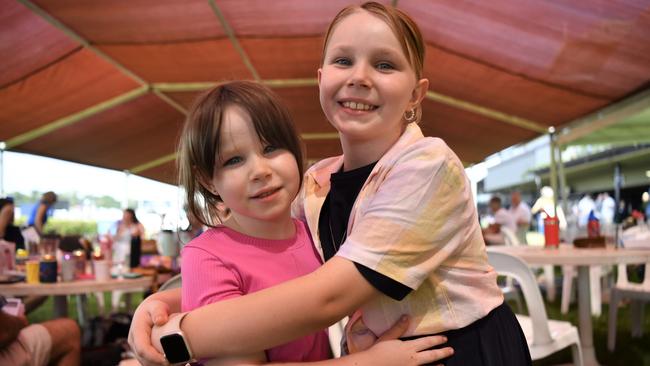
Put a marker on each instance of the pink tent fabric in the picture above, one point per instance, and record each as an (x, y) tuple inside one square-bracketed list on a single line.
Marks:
[(107, 83)]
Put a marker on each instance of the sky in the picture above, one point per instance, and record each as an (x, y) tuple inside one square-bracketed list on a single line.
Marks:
[(26, 173)]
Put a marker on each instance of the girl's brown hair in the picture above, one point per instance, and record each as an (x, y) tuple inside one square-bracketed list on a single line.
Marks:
[(405, 29), (198, 148)]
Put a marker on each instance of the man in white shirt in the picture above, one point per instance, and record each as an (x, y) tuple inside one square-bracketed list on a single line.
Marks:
[(502, 219), (520, 211), (585, 206)]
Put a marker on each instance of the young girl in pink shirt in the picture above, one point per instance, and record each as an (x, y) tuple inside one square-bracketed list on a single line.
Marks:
[(240, 162)]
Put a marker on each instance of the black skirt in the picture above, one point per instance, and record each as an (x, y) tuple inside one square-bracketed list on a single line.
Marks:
[(495, 340)]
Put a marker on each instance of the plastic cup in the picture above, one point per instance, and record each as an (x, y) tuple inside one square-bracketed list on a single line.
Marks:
[(32, 269), (102, 269), (68, 268)]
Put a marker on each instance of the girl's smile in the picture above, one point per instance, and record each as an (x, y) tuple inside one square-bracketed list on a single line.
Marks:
[(366, 85), (255, 180)]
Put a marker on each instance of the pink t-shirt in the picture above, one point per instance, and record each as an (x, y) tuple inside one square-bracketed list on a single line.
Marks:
[(222, 263)]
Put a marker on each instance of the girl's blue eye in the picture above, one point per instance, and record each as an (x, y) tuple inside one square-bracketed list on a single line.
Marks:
[(342, 61), (385, 66), (269, 149), (232, 161)]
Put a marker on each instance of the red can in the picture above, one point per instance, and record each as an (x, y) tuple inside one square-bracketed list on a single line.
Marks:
[(552, 231)]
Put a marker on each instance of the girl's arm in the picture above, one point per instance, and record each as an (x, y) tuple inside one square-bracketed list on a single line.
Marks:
[(287, 311), (387, 351)]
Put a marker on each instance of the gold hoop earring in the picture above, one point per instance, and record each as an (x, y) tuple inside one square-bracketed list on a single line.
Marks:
[(410, 116)]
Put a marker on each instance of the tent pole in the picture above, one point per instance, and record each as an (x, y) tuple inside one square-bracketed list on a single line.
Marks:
[(618, 183), (553, 177), (125, 201), (564, 189)]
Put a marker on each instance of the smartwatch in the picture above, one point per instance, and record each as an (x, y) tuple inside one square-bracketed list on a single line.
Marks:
[(174, 344)]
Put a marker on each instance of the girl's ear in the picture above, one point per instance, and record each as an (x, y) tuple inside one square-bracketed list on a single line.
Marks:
[(320, 72), (419, 92)]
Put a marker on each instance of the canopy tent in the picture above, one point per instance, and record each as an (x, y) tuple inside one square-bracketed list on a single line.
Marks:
[(108, 83)]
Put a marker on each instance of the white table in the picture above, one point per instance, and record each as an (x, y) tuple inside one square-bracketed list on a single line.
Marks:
[(60, 290), (567, 254)]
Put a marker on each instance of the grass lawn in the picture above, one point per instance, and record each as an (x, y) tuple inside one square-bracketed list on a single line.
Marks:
[(629, 351)]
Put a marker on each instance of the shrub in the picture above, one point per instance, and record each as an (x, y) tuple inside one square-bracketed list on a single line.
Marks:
[(71, 227)]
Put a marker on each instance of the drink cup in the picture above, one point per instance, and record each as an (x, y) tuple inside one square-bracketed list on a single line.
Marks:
[(48, 269), (31, 271), (552, 232), (102, 269), (68, 267)]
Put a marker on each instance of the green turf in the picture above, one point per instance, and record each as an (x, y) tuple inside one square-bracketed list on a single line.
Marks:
[(45, 311), (629, 351)]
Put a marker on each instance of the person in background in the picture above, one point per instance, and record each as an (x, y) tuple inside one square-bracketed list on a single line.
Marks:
[(53, 342), (607, 208), (9, 231), (520, 211), (129, 229), (41, 211), (544, 206), (493, 234), (585, 206)]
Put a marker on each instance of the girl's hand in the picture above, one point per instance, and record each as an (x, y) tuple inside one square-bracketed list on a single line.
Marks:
[(148, 314), (360, 338), (405, 353)]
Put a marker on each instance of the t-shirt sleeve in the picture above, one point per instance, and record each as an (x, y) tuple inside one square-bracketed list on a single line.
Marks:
[(206, 279), (384, 284), (298, 204), (416, 213)]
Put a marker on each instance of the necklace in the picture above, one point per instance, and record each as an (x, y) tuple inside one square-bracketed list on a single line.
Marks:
[(345, 235)]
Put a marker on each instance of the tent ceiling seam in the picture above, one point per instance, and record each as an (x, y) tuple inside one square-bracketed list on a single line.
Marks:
[(41, 68), (431, 95), (167, 158), (153, 163), (76, 117), (170, 101), (76, 37), (487, 112), (233, 39), (86, 44)]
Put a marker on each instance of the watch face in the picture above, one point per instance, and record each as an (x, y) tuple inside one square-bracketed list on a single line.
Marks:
[(175, 349)]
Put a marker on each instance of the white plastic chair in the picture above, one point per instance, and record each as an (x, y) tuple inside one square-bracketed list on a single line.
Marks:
[(510, 292), (639, 293), (596, 276), (547, 277), (174, 282), (544, 336)]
